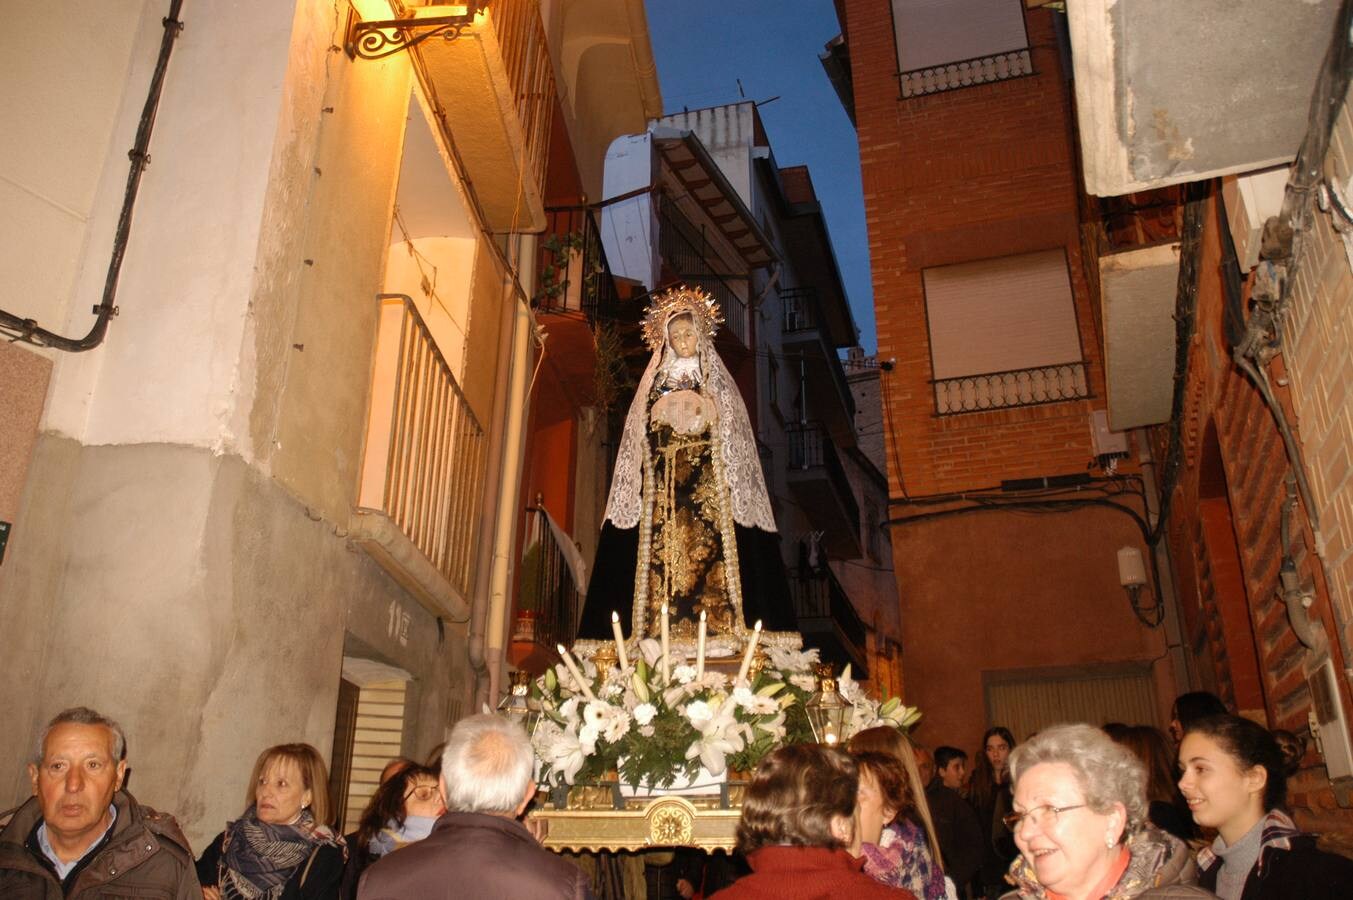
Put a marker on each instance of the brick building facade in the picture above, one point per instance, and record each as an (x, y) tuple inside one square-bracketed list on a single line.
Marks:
[(1007, 581)]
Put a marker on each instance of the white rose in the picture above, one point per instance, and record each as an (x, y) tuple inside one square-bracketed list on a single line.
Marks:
[(698, 712), (742, 696), (684, 674), (644, 713)]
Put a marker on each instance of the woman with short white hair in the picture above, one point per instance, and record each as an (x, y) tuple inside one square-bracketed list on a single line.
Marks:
[(1079, 820)]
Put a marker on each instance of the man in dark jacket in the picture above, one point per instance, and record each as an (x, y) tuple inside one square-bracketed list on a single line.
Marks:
[(81, 836), (478, 849), (956, 825)]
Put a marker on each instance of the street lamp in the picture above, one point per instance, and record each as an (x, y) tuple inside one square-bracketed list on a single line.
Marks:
[(518, 706), (827, 709)]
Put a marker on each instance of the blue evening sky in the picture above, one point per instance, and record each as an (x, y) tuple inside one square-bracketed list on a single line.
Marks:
[(704, 47)]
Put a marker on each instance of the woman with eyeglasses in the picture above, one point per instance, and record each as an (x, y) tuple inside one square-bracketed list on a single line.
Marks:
[(402, 811), (1079, 819), (1234, 781)]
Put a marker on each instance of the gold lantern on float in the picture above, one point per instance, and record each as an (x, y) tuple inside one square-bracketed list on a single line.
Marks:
[(517, 706), (827, 710)]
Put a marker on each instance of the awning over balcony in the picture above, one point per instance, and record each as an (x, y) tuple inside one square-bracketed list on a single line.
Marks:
[(494, 88), (706, 184), (1169, 92)]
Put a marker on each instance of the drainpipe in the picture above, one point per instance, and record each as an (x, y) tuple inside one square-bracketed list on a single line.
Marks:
[(484, 680), (509, 482), (1169, 599)]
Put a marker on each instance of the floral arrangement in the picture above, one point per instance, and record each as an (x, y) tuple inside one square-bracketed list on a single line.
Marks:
[(657, 724)]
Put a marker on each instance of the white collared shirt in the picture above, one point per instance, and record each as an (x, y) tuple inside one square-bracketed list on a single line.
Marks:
[(64, 869)]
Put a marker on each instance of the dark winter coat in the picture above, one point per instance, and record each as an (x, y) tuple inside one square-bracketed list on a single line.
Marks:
[(1290, 866), (316, 879), (473, 856), (958, 832), (144, 854)]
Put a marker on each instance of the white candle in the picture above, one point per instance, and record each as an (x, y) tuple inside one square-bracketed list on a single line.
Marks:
[(700, 647), (619, 641), (573, 669), (751, 648), (666, 667)]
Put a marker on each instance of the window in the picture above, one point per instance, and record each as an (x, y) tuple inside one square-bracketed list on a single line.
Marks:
[(1003, 333), (948, 44)]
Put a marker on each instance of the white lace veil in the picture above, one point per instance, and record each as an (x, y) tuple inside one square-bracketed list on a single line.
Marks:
[(733, 434)]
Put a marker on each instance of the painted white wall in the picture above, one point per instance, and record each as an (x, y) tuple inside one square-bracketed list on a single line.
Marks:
[(168, 370), (629, 228), (62, 99)]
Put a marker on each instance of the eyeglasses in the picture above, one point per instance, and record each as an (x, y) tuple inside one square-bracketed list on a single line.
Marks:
[(422, 792), (1042, 816)]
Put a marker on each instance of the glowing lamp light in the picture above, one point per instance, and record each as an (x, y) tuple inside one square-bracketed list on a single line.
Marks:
[(518, 706), (827, 709)]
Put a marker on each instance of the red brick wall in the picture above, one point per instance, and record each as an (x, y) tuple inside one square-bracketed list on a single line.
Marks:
[(975, 173), (1241, 631)]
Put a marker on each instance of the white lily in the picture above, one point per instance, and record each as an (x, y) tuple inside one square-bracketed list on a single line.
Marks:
[(720, 735)]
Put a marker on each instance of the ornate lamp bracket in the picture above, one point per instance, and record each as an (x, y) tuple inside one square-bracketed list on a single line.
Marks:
[(378, 39)]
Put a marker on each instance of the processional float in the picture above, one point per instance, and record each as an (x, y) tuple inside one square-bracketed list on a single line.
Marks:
[(645, 735)]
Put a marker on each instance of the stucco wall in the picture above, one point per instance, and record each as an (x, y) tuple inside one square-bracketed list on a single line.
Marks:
[(202, 607), (994, 591)]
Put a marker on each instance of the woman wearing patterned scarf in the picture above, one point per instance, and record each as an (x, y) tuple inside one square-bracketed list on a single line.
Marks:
[(281, 848), (1234, 781)]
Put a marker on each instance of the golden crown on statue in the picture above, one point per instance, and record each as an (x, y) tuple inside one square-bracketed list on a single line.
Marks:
[(683, 300)]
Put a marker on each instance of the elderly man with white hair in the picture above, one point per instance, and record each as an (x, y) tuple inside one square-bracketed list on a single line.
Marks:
[(478, 849)]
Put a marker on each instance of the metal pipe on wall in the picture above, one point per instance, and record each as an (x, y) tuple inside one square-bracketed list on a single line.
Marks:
[(514, 457)]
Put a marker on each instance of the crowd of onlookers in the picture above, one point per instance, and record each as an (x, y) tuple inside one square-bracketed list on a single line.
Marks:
[(1074, 812)]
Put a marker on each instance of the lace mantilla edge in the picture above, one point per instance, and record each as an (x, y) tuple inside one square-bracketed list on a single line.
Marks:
[(742, 463)]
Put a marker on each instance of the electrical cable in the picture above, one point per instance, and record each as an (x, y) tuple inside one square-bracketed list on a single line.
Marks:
[(28, 330)]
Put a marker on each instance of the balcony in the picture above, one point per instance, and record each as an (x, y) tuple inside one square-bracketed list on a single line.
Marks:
[(689, 258), (548, 598), (805, 337), (422, 468), (966, 73), (1005, 390), (828, 621), (574, 274), (818, 481), (493, 89)]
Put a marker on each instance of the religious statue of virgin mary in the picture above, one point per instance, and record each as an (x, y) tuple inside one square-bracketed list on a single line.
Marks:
[(688, 521)]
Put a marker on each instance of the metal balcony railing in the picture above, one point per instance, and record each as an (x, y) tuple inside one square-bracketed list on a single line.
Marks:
[(810, 447), (425, 450), (799, 310), (966, 73), (573, 273), (1016, 387), (530, 72), (687, 254), (548, 600), (820, 596)]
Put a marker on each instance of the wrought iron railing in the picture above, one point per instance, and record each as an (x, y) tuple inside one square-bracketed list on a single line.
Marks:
[(425, 450), (966, 72), (530, 73), (687, 254), (800, 310), (810, 447), (1016, 387), (820, 596), (573, 274), (548, 599)]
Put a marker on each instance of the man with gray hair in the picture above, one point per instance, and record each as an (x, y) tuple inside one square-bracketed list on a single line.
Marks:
[(81, 835), (478, 849)]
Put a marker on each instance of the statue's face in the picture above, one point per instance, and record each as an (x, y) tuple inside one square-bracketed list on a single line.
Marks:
[(683, 337)]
